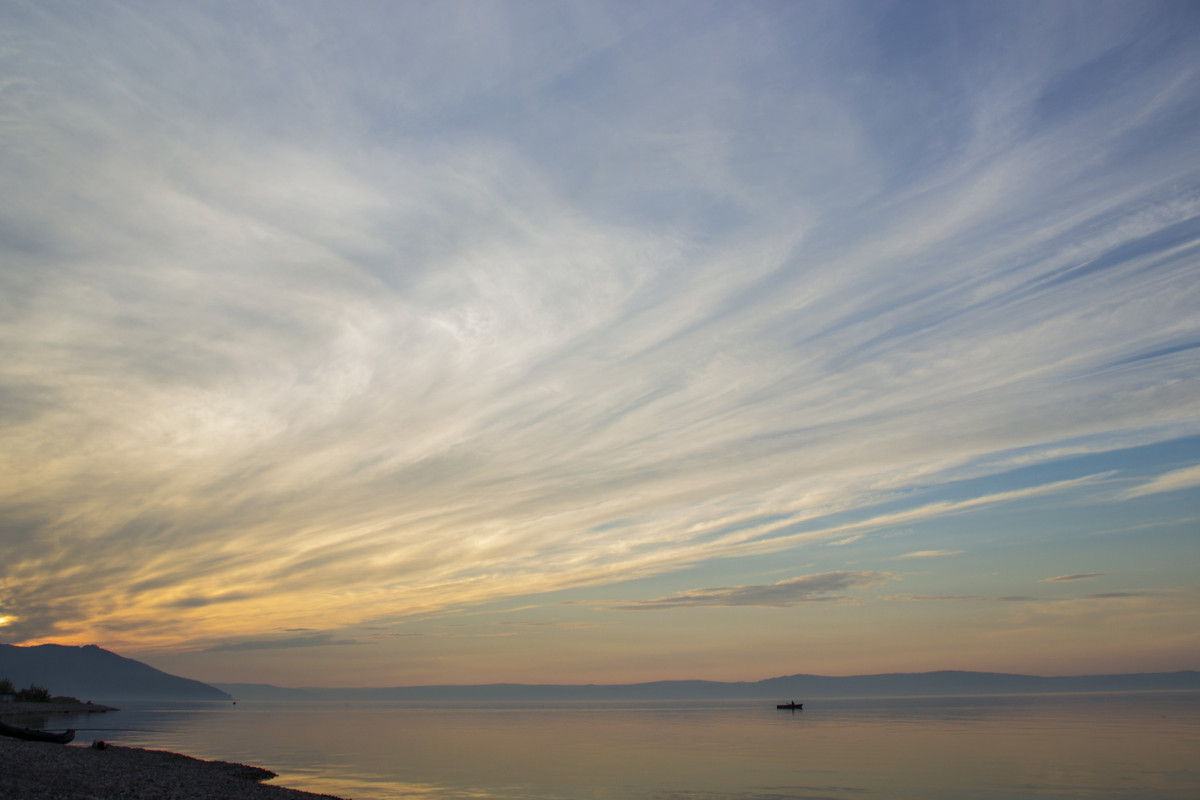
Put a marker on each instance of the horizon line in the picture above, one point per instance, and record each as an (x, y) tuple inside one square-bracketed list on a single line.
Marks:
[(218, 684)]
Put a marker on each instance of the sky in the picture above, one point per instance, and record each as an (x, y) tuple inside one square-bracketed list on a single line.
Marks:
[(399, 343)]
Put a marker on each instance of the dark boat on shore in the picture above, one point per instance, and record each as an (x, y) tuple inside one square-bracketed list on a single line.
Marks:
[(32, 735), (792, 706)]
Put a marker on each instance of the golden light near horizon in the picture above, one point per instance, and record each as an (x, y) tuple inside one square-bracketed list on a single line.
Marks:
[(582, 343)]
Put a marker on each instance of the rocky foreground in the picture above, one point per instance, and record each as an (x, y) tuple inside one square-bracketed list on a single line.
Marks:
[(40, 771)]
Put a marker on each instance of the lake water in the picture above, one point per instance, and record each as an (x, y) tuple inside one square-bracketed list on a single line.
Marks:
[(1143, 746)]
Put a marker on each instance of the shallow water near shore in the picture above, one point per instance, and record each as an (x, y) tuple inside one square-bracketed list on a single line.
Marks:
[(1080, 746)]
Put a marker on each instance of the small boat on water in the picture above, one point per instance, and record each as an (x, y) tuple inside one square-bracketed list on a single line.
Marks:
[(33, 735), (792, 706)]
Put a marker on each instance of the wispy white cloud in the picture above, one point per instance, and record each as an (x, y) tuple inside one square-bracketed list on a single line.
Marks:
[(1187, 478), (338, 317), (773, 536)]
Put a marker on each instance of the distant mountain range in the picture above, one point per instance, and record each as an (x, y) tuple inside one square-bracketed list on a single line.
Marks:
[(921, 684), (93, 673)]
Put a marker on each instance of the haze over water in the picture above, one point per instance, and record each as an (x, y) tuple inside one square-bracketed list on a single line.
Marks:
[(1079, 746)]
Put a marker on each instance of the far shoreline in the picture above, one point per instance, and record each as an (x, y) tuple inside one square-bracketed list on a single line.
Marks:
[(56, 705)]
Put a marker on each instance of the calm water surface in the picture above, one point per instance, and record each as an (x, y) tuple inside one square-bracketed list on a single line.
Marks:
[(1095, 746)]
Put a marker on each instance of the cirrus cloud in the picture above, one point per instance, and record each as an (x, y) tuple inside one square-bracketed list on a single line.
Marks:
[(806, 589)]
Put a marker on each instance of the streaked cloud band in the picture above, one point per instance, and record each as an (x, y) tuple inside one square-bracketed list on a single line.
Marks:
[(338, 317)]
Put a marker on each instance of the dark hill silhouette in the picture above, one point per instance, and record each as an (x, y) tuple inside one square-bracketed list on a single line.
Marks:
[(924, 684), (93, 673)]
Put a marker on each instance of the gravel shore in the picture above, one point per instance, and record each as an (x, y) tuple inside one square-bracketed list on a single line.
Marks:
[(40, 771)]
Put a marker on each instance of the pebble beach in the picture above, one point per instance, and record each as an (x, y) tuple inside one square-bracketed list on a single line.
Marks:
[(41, 771), (44, 771)]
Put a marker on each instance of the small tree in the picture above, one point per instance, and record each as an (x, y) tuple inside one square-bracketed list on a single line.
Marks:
[(6, 686), (34, 694)]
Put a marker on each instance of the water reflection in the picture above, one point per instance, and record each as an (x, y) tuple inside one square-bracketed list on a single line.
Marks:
[(1092, 747)]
